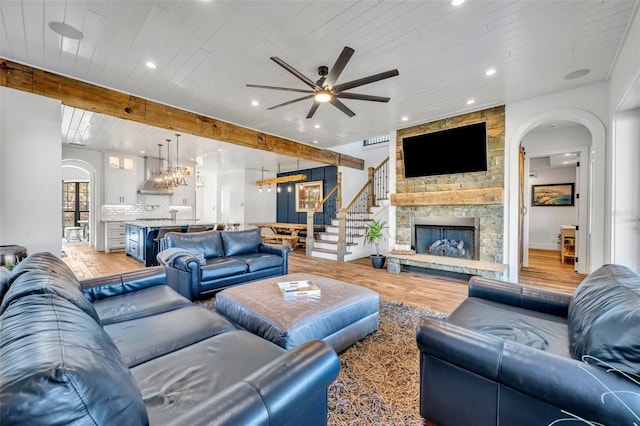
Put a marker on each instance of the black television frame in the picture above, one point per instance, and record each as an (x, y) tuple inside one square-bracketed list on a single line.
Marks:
[(474, 169)]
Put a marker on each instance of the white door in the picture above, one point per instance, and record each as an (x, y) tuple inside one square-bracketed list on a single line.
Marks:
[(626, 192)]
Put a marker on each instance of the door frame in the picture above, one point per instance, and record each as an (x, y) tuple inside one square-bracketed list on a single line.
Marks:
[(599, 246)]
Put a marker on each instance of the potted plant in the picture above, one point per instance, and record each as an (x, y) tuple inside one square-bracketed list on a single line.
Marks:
[(373, 234)]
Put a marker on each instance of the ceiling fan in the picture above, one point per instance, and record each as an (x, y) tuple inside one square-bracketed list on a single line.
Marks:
[(325, 90)]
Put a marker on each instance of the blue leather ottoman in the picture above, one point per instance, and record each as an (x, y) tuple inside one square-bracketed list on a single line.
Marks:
[(343, 314)]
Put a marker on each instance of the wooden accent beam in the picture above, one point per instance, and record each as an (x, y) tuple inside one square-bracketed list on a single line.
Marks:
[(98, 99), (483, 196), (292, 178)]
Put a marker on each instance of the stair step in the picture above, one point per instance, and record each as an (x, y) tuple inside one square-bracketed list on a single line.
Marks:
[(321, 250), (331, 242)]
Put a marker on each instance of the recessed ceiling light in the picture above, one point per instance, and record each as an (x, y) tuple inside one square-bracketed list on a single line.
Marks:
[(315, 141), (405, 118), (456, 2), (490, 71), (151, 65), (219, 149), (316, 126), (568, 154), (577, 74), (471, 102), (66, 30), (565, 162), (255, 103), (142, 152)]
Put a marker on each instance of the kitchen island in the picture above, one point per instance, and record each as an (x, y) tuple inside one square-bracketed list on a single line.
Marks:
[(141, 233)]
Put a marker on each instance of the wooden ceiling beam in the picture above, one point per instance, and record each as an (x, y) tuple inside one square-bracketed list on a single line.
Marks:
[(78, 94), (282, 179)]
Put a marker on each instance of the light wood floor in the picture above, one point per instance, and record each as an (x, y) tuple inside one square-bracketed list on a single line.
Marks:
[(426, 291)]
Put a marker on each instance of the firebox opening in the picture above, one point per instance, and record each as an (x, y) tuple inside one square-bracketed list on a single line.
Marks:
[(446, 236)]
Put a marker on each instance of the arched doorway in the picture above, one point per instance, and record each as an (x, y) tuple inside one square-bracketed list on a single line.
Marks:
[(74, 167), (594, 226)]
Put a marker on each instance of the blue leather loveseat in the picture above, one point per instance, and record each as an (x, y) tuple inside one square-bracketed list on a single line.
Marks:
[(513, 354), (215, 260), (128, 350)]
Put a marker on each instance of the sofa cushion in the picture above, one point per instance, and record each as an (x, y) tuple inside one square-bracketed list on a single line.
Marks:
[(171, 331), (260, 261), (59, 367), (222, 267), (45, 281), (535, 329), (604, 319), (241, 242), (206, 242), (178, 382), (139, 304)]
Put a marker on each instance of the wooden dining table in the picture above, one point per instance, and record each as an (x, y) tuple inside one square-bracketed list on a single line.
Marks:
[(288, 233)]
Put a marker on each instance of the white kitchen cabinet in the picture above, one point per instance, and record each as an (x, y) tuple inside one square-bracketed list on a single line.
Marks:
[(120, 180), (185, 195), (114, 236)]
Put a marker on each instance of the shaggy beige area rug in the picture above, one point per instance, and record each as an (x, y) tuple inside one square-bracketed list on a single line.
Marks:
[(378, 382)]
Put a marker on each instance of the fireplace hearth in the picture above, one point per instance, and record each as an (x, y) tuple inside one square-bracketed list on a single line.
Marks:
[(446, 236)]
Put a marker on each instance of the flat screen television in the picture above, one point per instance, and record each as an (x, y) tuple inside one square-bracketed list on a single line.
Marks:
[(457, 150)]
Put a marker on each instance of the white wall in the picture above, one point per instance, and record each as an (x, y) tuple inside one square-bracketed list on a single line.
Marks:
[(551, 140), (626, 72), (352, 179), (545, 222), (258, 206), (30, 172)]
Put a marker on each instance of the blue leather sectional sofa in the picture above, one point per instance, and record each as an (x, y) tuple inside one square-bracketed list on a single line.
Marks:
[(230, 258), (518, 355), (128, 350)]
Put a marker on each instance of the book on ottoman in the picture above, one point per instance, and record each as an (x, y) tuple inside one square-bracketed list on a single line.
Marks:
[(294, 289)]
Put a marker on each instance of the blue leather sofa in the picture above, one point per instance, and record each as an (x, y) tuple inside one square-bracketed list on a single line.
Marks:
[(513, 354), (230, 258), (128, 350)]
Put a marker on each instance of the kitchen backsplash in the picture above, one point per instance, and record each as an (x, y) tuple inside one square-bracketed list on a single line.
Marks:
[(147, 207)]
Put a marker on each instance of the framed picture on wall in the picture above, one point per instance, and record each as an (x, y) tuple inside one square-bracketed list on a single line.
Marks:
[(557, 194), (308, 195)]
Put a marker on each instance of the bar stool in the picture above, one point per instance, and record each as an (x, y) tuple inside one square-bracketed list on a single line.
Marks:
[(196, 228), (161, 233)]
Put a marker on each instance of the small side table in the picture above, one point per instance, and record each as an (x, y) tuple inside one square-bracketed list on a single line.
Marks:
[(567, 242), (12, 254)]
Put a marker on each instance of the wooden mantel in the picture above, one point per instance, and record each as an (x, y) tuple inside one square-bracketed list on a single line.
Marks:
[(483, 196), (98, 99)]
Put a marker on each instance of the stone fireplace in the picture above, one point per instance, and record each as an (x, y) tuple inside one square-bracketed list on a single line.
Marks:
[(457, 237), (460, 215)]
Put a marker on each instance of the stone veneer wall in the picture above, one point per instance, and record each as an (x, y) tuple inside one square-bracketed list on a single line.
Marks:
[(491, 216)]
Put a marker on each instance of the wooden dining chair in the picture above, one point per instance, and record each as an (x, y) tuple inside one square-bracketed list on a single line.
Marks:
[(160, 236)]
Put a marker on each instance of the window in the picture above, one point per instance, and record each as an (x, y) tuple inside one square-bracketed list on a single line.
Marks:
[(375, 140), (75, 203)]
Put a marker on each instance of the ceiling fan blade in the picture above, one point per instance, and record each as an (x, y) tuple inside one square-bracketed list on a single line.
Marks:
[(288, 89), (290, 102), (313, 109), (337, 68), (295, 72), (342, 107), (365, 80), (360, 97)]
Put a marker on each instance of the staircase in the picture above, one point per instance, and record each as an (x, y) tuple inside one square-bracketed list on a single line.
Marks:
[(343, 240), (326, 244)]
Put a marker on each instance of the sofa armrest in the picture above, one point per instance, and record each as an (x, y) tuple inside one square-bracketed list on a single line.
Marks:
[(126, 282), (280, 251), (274, 394), (523, 296), (476, 352), (573, 386)]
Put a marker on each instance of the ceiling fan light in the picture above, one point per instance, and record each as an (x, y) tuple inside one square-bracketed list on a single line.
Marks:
[(323, 96)]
